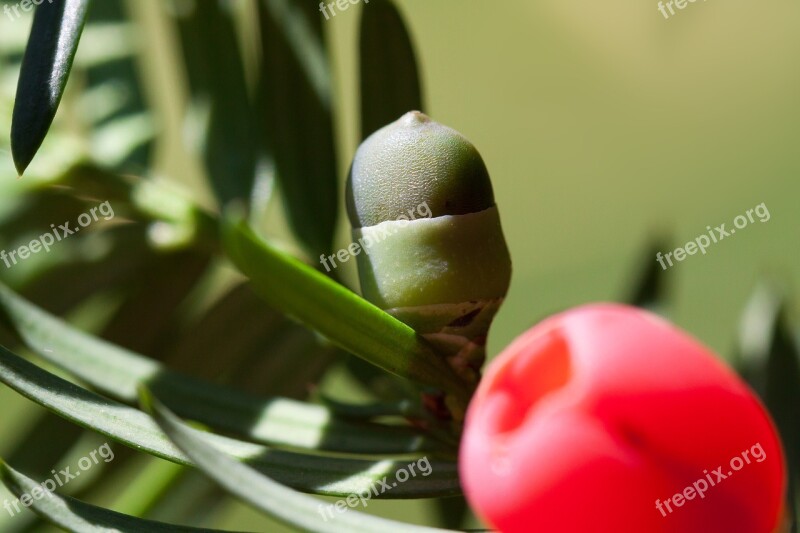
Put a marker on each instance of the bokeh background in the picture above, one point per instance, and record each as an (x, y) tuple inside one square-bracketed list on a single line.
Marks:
[(607, 130)]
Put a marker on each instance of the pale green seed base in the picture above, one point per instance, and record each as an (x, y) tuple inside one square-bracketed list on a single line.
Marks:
[(430, 261)]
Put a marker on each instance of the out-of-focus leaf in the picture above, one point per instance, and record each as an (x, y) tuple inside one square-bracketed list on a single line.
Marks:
[(117, 259), (51, 48), (193, 500), (217, 81), (756, 334), (368, 411), (36, 208), (387, 388), (769, 356), (38, 460), (157, 201), (59, 435), (263, 349), (452, 512), (294, 100), (238, 324), (117, 372), (309, 473), (390, 84), (147, 314), (346, 319), (113, 102), (137, 494), (297, 360), (124, 142), (292, 508), (74, 515), (652, 286)]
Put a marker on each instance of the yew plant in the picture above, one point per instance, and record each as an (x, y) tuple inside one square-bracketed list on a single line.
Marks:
[(197, 323)]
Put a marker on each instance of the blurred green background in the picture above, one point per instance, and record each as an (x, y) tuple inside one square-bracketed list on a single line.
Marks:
[(604, 127)]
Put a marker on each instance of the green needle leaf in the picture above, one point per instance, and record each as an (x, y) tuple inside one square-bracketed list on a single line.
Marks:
[(117, 372), (294, 107), (263, 493), (309, 473), (217, 77), (346, 319), (390, 84), (74, 515), (45, 68)]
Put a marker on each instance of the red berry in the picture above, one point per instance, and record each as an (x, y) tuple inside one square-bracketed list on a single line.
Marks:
[(590, 418)]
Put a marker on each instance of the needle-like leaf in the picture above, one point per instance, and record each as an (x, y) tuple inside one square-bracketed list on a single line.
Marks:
[(336, 312), (117, 372), (280, 502), (294, 103), (74, 515), (390, 83), (337, 476), (55, 33)]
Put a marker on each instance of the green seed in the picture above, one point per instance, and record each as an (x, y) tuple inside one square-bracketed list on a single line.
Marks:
[(413, 161), (421, 205)]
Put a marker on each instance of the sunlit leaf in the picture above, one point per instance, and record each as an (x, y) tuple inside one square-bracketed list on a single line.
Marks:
[(308, 473), (266, 494), (117, 372), (74, 515)]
